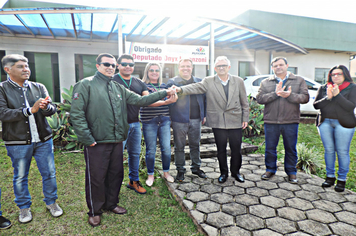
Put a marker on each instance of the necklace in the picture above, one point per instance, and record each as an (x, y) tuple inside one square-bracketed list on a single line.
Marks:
[(128, 86), (159, 87)]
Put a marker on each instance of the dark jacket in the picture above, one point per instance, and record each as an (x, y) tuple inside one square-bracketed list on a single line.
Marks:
[(280, 110), (340, 107), (14, 114), (99, 109), (180, 110)]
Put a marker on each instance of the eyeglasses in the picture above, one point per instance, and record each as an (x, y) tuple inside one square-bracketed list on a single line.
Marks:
[(152, 70), (336, 74), (124, 64), (221, 66), (106, 64)]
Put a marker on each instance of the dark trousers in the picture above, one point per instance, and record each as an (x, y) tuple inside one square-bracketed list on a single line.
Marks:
[(235, 139), (104, 174)]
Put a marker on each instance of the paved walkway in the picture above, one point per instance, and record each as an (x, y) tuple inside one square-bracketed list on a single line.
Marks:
[(259, 207)]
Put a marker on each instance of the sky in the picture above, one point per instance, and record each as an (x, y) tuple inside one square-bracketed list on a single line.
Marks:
[(340, 10)]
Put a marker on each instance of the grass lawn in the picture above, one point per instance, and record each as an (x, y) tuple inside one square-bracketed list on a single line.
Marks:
[(153, 213), (308, 134)]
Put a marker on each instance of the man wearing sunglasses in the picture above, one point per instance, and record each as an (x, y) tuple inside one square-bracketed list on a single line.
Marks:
[(133, 142), (99, 118)]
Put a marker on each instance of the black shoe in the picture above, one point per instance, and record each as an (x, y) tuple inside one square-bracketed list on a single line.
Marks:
[(4, 223), (329, 181), (292, 179), (200, 173), (340, 186), (267, 175), (239, 178), (180, 176), (222, 178)]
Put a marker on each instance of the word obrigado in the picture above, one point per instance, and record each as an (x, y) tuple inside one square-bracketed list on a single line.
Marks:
[(164, 58)]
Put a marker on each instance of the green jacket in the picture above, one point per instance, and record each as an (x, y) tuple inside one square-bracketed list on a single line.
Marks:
[(99, 112)]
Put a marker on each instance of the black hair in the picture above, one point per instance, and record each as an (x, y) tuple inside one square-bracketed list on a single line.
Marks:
[(345, 71), (125, 56), (101, 55)]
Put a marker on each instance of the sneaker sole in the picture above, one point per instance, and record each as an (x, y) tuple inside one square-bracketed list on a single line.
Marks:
[(24, 222), (134, 189)]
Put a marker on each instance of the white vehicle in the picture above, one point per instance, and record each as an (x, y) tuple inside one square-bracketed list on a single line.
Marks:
[(252, 84)]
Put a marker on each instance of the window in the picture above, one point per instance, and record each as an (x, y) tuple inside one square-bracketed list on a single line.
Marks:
[(244, 68), (258, 81), (321, 75), (293, 70)]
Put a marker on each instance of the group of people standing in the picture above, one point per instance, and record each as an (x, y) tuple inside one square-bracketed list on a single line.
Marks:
[(107, 109)]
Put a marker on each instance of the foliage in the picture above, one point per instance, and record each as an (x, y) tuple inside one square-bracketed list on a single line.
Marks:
[(63, 133), (308, 159), (255, 125)]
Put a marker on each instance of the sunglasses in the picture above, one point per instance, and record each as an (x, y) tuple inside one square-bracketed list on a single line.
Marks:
[(124, 64), (106, 64), (152, 70)]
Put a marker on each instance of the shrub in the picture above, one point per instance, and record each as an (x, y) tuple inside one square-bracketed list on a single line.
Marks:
[(255, 125), (308, 159)]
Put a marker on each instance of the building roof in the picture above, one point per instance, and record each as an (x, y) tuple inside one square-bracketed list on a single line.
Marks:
[(102, 25)]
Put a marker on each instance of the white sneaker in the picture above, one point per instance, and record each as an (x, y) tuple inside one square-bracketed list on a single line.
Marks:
[(55, 210), (25, 215)]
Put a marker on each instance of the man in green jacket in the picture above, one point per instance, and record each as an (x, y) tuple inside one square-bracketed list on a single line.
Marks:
[(99, 118)]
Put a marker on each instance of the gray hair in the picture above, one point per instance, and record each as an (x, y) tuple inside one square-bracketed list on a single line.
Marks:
[(145, 77), (11, 59), (222, 58)]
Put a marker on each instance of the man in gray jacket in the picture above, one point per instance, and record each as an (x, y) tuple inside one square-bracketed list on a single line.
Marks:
[(282, 94), (227, 113)]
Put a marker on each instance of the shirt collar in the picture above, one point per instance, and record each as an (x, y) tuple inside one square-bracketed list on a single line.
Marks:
[(225, 82), (25, 84), (279, 79)]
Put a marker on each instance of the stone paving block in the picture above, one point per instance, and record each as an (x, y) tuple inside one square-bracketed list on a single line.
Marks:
[(253, 177), (249, 222), (320, 216), (314, 228), (277, 179), (209, 160), (219, 219), (234, 209), (298, 234), (265, 232), (202, 181), (346, 217), (281, 225), (281, 173), (272, 201), (245, 172), (299, 203), (221, 198), (246, 184), (326, 206), (213, 164), (188, 187), (341, 228), (258, 163), (233, 190), (266, 185), (179, 193), (207, 169), (259, 171), (307, 195), (207, 207), (211, 231), (334, 197), (188, 204), (289, 186), (262, 211), (234, 230), (229, 182), (246, 199), (316, 181), (197, 196), (351, 197), (259, 192), (198, 216), (212, 188), (281, 193), (349, 206), (312, 188), (249, 167), (291, 213)]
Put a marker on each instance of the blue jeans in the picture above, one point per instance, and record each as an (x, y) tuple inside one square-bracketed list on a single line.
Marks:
[(160, 127), (21, 156), (290, 136), (336, 138), (180, 131), (133, 146)]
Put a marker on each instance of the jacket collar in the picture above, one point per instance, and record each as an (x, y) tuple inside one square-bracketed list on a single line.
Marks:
[(179, 79), (102, 76), (26, 84)]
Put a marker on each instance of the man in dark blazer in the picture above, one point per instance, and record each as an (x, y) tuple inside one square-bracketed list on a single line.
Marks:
[(227, 113)]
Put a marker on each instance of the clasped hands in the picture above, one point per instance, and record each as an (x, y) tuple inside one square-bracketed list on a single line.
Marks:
[(41, 103), (171, 95), (280, 90), (332, 90)]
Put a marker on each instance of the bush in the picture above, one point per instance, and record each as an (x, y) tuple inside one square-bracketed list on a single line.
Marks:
[(308, 159), (255, 125)]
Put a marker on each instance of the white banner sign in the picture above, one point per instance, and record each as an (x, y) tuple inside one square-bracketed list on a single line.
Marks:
[(163, 53)]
